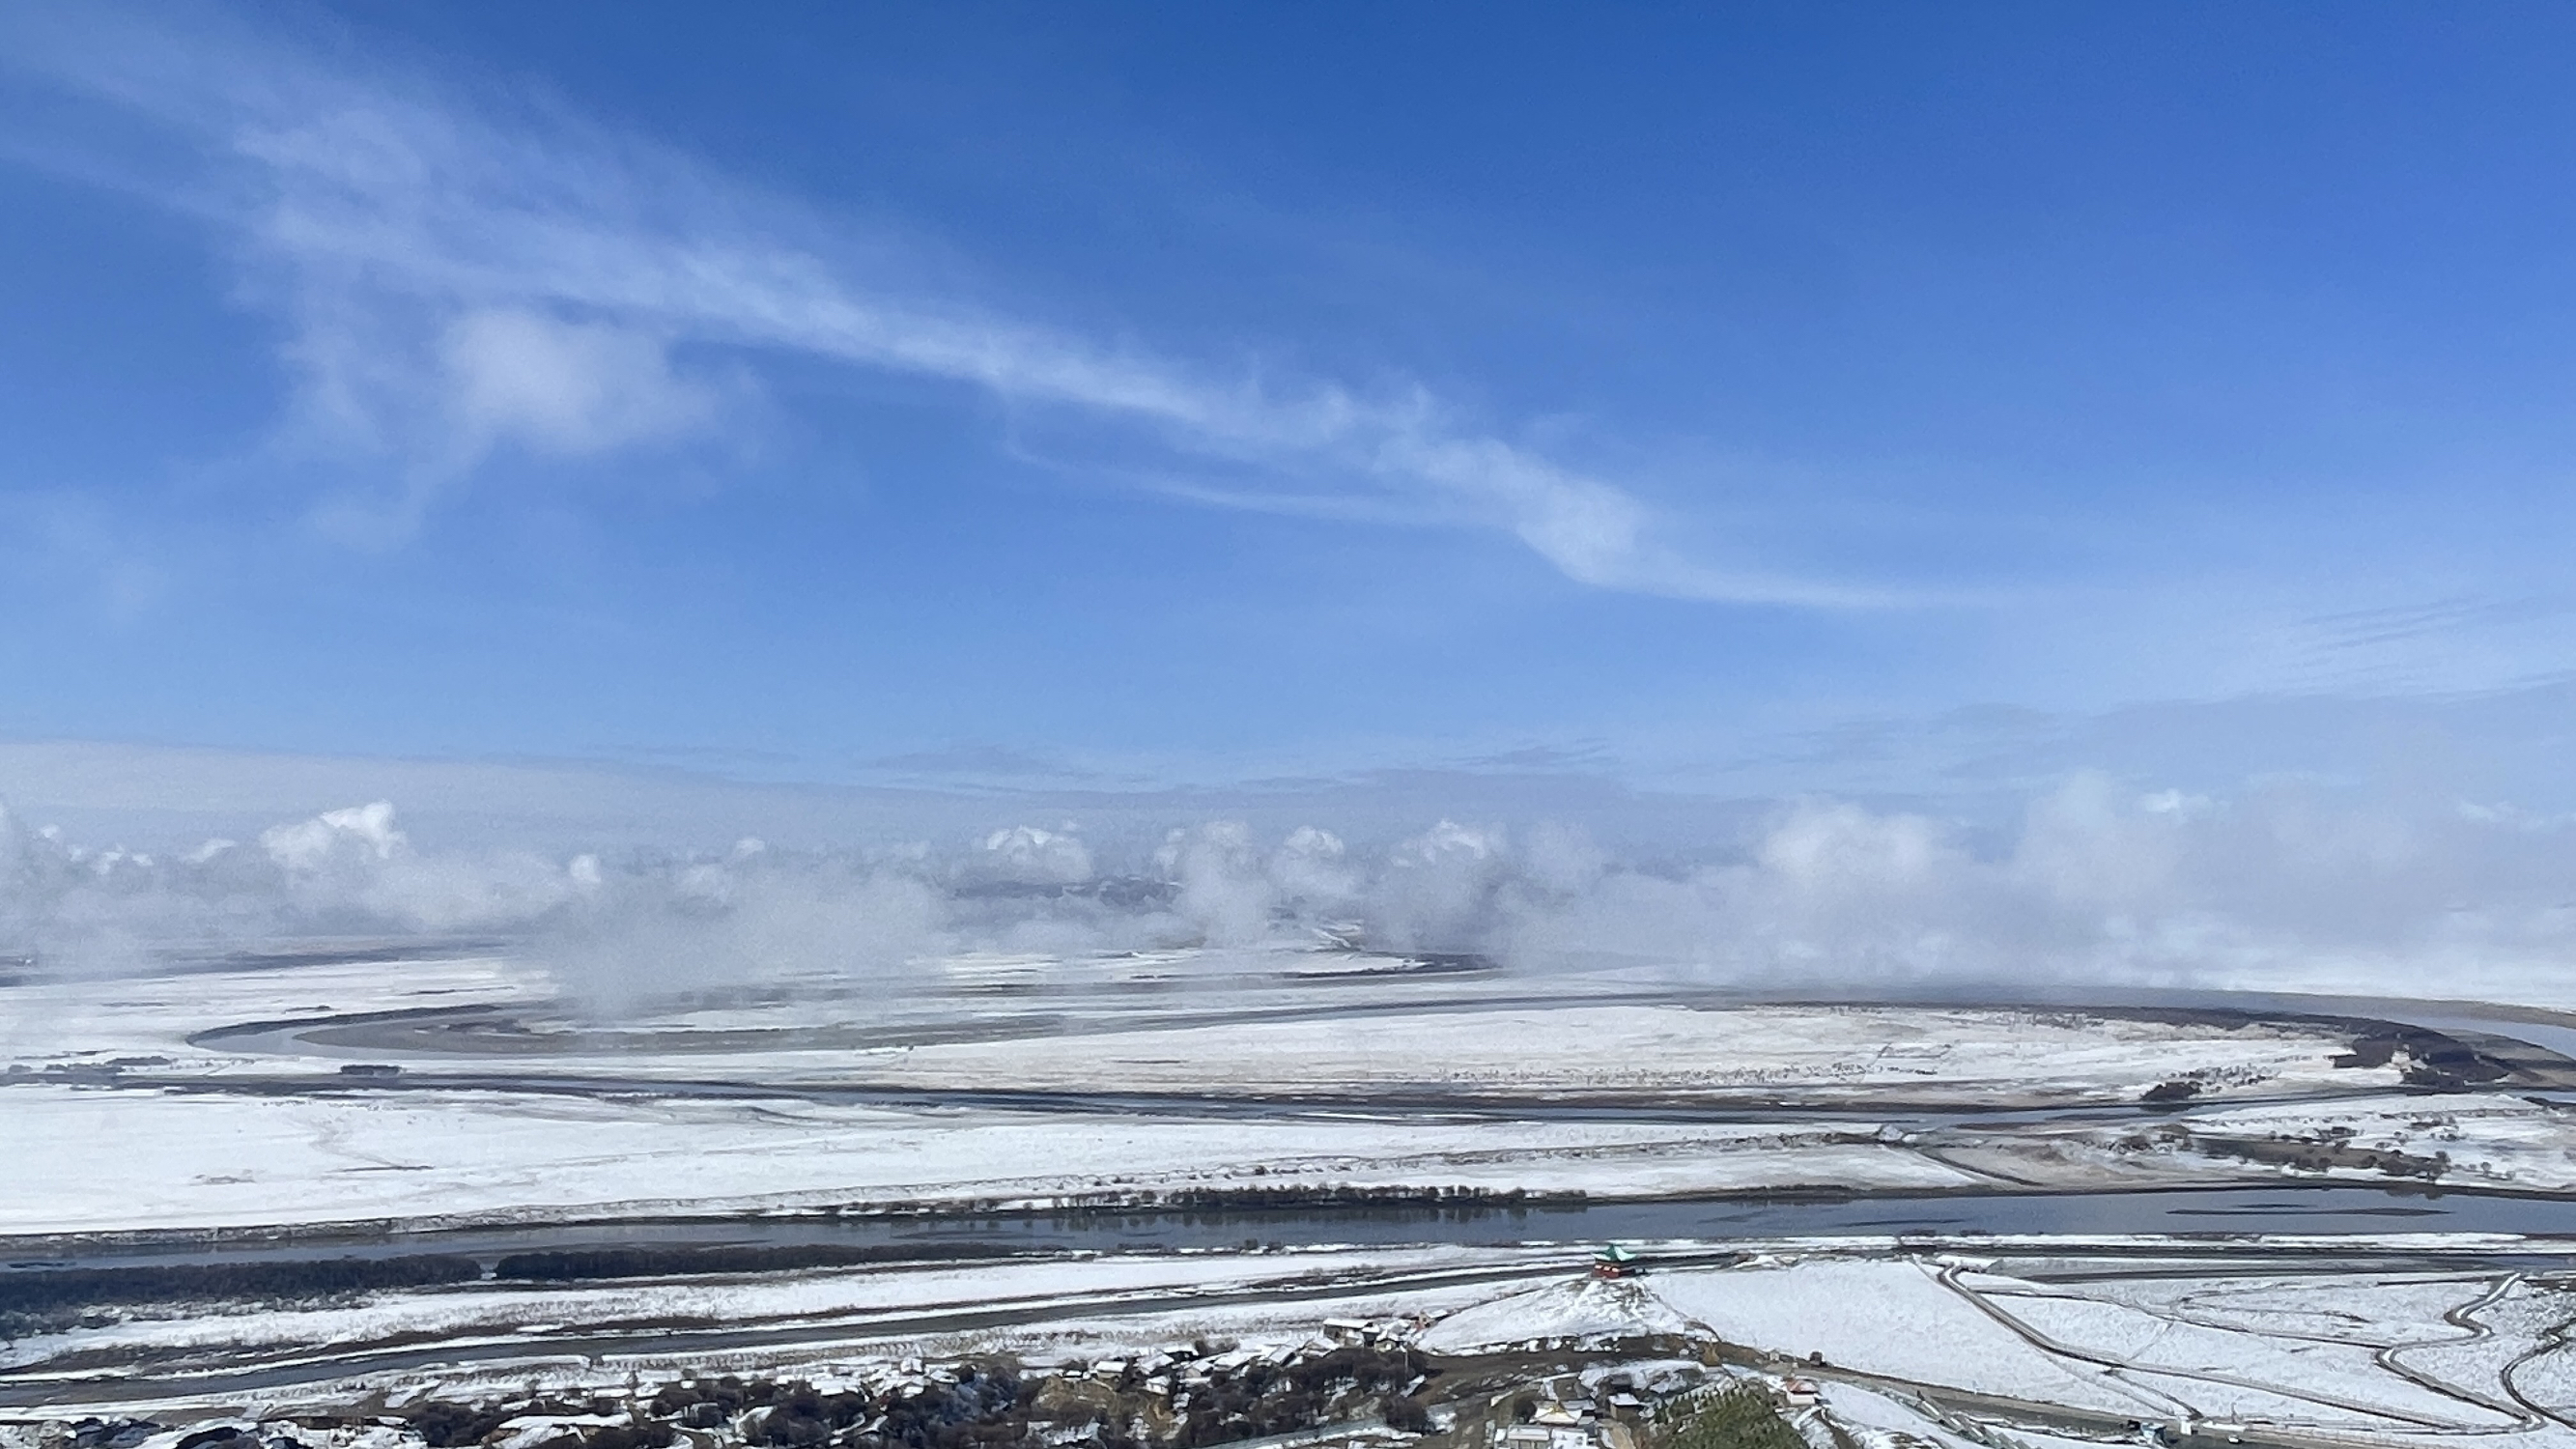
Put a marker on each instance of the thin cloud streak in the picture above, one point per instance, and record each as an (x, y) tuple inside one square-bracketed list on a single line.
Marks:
[(461, 284)]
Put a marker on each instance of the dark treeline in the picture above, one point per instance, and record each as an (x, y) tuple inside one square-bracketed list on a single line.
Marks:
[(37, 1299), (1219, 1199), (983, 1409), (968, 1405), (1740, 1418), (574, 1264), (1264, 1399)]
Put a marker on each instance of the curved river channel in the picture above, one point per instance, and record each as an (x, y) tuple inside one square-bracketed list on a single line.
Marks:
[(2206, 1213), (2288, 1208)]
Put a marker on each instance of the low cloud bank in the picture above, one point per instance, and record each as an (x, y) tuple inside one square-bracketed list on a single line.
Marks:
[(2291, 886)]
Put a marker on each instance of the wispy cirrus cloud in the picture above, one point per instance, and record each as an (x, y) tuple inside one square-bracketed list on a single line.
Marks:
[(467, 272)]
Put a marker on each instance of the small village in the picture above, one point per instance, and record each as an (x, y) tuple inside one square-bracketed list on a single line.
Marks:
[(1355, 1383)]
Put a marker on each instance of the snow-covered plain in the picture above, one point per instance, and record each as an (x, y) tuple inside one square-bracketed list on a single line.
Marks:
[(850, 1301), (2339, 1361), (1576, 1308), (2332, 1373), (124, 1160), (2502, 1140), (1143, 1025), (1827, 1053), (216, 1098), (1891, 1319), (2342, 1354)]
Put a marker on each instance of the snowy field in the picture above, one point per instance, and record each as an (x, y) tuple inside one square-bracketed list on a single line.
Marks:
[(117, 1162), (399, 1096), (2384, 1357), (1146, 1025), (222, 1098), (1068, 1292), (2048, 1344)]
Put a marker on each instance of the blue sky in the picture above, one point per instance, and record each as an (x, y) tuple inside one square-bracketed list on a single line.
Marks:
[(1755, 399)]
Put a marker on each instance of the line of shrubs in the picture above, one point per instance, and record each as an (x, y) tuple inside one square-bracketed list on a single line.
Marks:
[(1206, 1198), (983, 1409), (578, 1264), (35, 1300)]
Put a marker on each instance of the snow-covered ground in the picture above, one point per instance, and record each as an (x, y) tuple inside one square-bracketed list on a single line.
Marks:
[(216, 1098), (1579, 1308), (2460, 1139), (1890, 1319), (1154, 1026), (1820, 1052), (2331, 1353), (120, 1159), (1078, 1289), (2328, 1355), (77, 1021), (2334, 1373)]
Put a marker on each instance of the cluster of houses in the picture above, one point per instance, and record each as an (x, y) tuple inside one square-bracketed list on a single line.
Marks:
[(1598, 1410), (1610, 1410), (1178, 1368), (883, 1379), (1567, 1424), (1175, 1369)]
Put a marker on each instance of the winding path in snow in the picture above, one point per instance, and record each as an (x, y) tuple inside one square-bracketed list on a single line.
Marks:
[(2523, 1423)]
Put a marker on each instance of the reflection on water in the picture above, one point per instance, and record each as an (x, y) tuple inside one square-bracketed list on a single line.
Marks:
[(2269, 1209)]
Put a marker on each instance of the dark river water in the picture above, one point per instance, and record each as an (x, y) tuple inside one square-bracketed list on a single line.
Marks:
[(2203, 1213)]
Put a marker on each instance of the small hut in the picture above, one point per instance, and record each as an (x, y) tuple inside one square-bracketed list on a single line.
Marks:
[(1614, 1261)]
